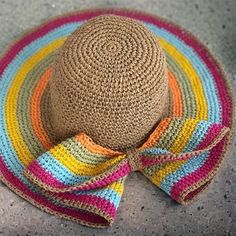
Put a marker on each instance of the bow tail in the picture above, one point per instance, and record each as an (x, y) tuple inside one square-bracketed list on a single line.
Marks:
[(95, 207), (195, 149), (183, 180), (81, 175)]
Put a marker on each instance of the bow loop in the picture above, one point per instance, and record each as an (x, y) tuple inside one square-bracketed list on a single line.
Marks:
[(77, 164), (182, 156)]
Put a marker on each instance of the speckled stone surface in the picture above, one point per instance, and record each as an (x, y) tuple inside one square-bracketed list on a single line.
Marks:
[(144, 210)]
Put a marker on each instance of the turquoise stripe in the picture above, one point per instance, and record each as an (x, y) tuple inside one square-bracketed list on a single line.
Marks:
[(109, 195), (192, 164), (214, 112), (58, 171)]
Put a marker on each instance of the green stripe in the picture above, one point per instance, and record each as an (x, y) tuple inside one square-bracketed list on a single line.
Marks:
[(45, 116), (23, 106), (188, 98), (170, 134), (149, 171), (83, 154)]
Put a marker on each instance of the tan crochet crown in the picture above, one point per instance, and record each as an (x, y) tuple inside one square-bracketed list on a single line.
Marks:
[(110, 82)]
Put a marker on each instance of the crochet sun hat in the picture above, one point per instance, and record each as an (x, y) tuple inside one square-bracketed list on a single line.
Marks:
[(91, 96)]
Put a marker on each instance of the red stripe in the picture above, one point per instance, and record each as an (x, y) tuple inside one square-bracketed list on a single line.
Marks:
[(40, 173), (37, 170), (202, 172), (100, 203)]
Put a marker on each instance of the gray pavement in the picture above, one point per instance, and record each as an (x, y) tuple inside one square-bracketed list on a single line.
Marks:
[(144, 210)]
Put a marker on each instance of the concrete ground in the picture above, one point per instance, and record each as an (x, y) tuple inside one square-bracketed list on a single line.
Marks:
[(144, 210)]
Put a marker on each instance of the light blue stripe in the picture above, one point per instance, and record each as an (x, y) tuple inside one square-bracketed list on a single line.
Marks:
[(155, 151), (214, 112), (187, 168), (197, 135), (108, 194), (10, 157), (191, 165), (54, 167)]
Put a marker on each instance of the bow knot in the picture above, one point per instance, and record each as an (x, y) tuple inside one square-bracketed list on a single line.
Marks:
[(134, 160)]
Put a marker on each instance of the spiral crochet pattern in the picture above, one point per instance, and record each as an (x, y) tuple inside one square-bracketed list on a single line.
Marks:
[(110, 82), (80, 180)]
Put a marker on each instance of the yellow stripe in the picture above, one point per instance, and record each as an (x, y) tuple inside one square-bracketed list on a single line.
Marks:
[(160, 175), (13, 128), (77, 167), (117, 187), (177, 146), (184, 136), (193, 77), (201, 107)]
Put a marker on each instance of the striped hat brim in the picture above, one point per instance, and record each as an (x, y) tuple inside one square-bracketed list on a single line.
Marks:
[(198, 90)]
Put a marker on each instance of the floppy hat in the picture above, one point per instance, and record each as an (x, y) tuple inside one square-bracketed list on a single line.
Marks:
[(80, 111)]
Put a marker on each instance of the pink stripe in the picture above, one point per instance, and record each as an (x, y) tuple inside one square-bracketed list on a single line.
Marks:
[(51, 181), (210, 163), (98, 202), (114, 176), (47, 178), (77, 214)]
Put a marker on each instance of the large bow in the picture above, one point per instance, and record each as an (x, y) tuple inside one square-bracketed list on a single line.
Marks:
[(181, 157)]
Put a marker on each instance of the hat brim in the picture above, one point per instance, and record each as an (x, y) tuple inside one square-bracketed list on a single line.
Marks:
[(198, 89)]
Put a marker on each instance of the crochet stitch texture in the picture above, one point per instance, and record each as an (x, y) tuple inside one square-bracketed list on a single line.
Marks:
[(82, 180), (110, 82)]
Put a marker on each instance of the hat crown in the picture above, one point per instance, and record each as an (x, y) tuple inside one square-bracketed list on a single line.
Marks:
[(109, 81)]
